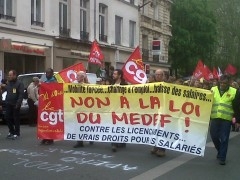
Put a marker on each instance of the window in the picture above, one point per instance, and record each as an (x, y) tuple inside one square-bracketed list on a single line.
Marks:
[(102, 22), (84, 35), (132, 33), (155, 12), (118, 30), (6, 10), (36, 13), (145, 49), (63, 18)]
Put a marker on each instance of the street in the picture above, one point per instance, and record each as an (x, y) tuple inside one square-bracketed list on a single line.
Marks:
[(25, 158)]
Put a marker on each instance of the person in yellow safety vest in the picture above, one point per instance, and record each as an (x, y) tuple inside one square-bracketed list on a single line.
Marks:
[(226, 105)]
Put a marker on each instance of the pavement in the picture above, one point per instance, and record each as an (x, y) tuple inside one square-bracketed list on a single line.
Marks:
[(25, 159)]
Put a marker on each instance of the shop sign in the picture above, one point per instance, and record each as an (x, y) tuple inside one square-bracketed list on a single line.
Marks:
[(27, 49), (82, 54)]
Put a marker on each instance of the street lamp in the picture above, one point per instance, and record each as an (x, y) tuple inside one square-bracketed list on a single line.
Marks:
[(153, 2)]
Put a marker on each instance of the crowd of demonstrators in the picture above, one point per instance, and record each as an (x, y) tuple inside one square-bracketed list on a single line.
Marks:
[(14, 97), (226, 104), (225, 110)]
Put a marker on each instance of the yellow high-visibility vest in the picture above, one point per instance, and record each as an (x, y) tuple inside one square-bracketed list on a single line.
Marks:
[(222, 105)]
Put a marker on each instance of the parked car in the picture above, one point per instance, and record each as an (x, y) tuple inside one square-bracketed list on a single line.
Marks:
[(26, 79)]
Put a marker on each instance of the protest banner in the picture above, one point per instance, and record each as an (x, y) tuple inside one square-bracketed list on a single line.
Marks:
[(160, 114)]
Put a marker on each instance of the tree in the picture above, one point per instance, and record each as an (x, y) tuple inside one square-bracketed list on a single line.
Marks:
[(193, 35), (228, 25)]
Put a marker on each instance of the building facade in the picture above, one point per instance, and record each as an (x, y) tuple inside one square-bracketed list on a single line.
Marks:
[(37, 34), (155, 33)]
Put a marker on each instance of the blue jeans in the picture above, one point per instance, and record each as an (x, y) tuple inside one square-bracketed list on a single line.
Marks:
[(219, 131)]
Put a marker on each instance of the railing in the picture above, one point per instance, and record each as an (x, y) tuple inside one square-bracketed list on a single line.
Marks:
[(103, 38), (37, 23), (7, 17), (64, 32), (84, 35)]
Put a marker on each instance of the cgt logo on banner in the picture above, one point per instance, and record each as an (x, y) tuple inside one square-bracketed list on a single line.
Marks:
[(50, 112), (157, 114)]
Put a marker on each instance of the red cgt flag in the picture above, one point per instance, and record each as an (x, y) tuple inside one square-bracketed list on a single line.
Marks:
[(96, 55), (68, 75), (199, 70), (231, 70), (133, 69)]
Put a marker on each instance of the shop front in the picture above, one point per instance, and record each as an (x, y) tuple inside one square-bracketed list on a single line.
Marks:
[(22, 57)]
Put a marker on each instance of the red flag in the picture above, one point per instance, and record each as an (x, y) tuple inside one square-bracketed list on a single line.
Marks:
[(96, 55), (207, 73), (133, 69), (215, 73), (231, 70), (69, 74), (199, 70), (51, 112)]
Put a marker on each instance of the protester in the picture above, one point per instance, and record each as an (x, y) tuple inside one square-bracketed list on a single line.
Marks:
[(50, 79), (108, 81), (226, 104), (179, 81), (160, 77), (1, 108), (14, 97), (151, 78), (197, 84), (235, 85), (118, 80), (32, 92), (206, 85), (81, 79)]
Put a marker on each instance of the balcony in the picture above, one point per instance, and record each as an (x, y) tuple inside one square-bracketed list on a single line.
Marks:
[(103, 38), (37, 23), (64, 32), (145, 54), (7, 17), (84, 35)]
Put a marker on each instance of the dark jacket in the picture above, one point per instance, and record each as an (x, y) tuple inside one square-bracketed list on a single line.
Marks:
[(15, 92), (236, 106)]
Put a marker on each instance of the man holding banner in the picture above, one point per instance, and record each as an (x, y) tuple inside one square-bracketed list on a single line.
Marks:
[(81, 79), (118, 80), (226, 105), (50, 79), (159, 77)]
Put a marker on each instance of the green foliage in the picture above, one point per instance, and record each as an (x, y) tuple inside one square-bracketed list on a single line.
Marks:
[(227, 14), (194, 35)]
